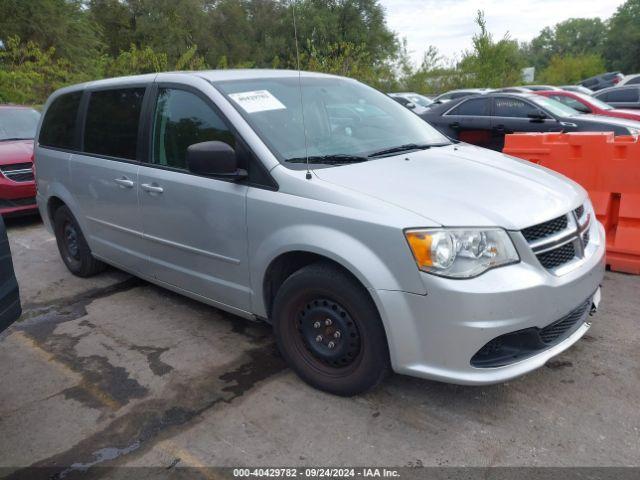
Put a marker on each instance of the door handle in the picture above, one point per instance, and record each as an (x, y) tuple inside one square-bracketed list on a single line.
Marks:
[(124, 182), (152, 188), (455, 125), (499, 128)]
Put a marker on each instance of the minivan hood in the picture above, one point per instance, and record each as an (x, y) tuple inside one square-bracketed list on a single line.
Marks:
[(462, 185)]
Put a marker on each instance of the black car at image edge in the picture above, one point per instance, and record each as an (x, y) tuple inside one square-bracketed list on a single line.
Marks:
[(484, 120), (10, 309)]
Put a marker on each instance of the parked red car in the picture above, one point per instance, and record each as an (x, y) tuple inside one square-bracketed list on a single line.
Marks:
[(17, 185), (587, 104)]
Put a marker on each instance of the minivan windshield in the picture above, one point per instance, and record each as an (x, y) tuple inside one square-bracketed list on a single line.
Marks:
[(345, 121), (18, 123)]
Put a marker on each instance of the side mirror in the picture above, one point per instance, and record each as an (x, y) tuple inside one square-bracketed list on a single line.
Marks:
[(214, 159), (410, 105), (537, 116)]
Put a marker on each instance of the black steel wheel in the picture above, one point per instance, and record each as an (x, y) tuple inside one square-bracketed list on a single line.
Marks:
[(329, 330), (72, 245)]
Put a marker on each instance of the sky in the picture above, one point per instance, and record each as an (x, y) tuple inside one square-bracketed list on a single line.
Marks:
[(449, 24)]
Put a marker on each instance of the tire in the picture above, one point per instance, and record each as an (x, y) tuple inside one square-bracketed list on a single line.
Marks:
[(310, 307), (72, 245)]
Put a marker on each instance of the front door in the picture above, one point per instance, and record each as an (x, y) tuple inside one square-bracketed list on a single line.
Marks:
[(104, 179), (511, 115), (194, 227)]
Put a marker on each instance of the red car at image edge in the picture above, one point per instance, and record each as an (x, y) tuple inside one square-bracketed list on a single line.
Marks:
[(587, 104), (17, 185)]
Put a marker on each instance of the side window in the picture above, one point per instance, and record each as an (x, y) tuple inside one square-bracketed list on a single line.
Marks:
[(112, 122), (474, 106), (512, 107), (634, 81), (59, 125), (623, 95), (182, 119)]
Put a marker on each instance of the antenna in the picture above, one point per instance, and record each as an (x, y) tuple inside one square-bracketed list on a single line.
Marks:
[(304, 124)]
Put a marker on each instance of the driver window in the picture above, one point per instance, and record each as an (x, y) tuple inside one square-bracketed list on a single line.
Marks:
[(182, 119)]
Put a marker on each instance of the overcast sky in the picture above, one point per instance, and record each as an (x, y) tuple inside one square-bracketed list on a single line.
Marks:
[(449, 24)]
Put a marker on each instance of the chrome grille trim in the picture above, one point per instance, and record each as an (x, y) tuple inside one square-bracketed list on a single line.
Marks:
[(577, 223)]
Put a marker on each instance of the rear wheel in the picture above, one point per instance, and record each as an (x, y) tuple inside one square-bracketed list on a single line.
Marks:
[(329, 330), (72, 245)]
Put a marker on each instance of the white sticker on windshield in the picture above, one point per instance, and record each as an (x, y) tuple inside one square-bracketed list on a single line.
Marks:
[(257, 101)]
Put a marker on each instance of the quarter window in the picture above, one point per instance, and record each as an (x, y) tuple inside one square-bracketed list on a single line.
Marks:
[(513, 107), (475, 106), (112, 123), (182, 119), (59, 125)]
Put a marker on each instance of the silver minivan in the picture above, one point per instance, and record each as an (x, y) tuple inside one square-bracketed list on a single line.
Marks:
[(369, 241)]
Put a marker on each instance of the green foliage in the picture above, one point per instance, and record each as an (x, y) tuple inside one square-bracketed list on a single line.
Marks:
[(570, 69), (575, 37), (491, 64), (29, 74), (45, 44), (622, 48)]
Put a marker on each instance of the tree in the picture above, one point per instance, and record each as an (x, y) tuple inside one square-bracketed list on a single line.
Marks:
[(63, 25), (570, 69), (576, 36), (622, 48), (29, 74), (490, 63)]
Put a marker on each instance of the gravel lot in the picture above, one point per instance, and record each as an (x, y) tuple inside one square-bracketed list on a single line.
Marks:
[(115, 371)]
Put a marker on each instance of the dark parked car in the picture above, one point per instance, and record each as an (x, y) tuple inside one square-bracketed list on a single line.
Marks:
[(620, 97), (604, 80), (484, 120), (10, 308)]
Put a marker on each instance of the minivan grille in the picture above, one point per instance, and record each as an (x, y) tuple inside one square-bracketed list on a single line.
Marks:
[(557, 257), (560, 240), (545, 229), (18, 172)]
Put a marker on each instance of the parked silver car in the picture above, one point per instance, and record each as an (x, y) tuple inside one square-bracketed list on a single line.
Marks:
[(369, 240)]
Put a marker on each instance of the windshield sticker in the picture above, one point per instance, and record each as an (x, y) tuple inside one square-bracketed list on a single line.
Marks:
[(257, 101)]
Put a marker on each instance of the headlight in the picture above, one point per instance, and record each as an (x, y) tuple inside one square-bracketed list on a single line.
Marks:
[(461, 252)]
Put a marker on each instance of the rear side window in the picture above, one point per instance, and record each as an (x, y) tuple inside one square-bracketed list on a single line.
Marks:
[(475, 106), (634, 81), (512, 107), (113, 117), (183, 119), (59, 125)]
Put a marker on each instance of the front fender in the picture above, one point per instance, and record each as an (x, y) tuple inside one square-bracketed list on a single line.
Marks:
[(348, 251)]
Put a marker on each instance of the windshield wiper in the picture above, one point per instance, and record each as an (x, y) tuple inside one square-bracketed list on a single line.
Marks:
[(335, 159), (404, 148)]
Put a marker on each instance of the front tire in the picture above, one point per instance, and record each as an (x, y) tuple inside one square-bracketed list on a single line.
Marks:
[(329, 330), (72, 245)]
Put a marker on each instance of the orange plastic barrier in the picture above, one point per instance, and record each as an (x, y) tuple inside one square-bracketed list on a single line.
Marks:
[(608, 168)]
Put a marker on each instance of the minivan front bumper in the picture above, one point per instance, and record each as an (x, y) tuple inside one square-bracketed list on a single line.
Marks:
[(437, 335)]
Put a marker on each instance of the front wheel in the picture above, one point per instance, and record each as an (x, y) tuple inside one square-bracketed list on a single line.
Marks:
[(329, 330), (72, 245)]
